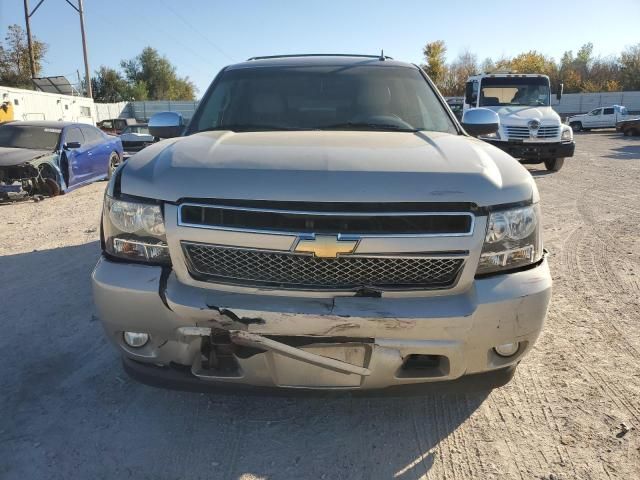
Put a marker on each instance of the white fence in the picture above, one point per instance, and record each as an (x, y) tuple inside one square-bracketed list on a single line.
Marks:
[(31, 105), (572, 103)]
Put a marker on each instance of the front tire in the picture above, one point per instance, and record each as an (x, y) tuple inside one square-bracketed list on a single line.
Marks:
[(576, 126), (49, 185), (554, 164)]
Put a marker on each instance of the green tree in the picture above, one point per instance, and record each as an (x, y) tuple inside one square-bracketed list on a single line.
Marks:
[(108, 85), (152, 73), (630, 68), (15, 70), (436, 66)]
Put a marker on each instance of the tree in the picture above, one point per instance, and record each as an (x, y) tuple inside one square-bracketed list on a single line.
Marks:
[(15, 69), (630, 68), (434, 55), (153, 74), (108, 85), (465, 65)]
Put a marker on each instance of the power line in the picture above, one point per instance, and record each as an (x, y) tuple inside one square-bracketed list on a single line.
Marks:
[(190, 25)]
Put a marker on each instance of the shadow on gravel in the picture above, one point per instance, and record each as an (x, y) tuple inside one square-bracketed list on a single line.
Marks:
[(628, 152), (69, 411)]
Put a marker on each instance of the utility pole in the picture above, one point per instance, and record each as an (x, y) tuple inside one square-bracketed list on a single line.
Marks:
[(27, 20), (80, 10), (87, 76)]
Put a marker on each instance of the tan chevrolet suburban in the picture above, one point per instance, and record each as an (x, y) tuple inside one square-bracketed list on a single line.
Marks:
[(322, 222)]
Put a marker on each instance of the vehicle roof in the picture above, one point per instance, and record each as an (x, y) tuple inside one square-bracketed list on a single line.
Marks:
[(48, 123), (319, 60), (508, 74)]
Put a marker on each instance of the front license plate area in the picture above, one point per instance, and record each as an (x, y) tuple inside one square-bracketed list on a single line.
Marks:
[(290, 372)]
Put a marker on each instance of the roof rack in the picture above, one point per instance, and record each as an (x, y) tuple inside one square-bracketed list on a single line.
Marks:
[(267, 57)]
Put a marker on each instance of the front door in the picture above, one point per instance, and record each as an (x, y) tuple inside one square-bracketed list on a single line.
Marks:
[(77, 158), (592, 119)]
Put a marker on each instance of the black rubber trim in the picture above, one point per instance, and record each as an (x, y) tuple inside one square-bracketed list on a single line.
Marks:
[(180, 378)]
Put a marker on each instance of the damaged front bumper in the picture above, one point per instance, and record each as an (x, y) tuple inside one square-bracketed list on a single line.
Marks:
[(268, 339)]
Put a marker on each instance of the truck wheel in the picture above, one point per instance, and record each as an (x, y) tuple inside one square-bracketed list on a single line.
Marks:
[(576, 126), (554, 164)]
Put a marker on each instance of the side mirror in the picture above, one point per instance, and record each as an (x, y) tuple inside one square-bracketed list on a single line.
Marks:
[(166, 125), (560, 91), (480, 121), (71, 145)]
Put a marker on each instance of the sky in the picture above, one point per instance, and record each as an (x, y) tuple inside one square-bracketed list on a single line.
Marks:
[(201, 36)]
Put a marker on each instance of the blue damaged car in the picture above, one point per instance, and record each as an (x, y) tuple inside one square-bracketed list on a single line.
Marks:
[(48, 158)]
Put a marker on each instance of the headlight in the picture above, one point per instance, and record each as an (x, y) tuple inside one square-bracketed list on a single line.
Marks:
[(134, 231), (567, 134), (512, 240)]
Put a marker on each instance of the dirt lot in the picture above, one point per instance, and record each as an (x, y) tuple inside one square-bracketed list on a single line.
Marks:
[(68, 411)]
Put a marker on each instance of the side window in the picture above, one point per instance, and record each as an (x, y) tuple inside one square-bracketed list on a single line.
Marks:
[(608, 111), (595, 112), (91, 134), (73, 134)]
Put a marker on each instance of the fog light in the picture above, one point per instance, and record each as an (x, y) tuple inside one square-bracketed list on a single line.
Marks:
[(507, 349), (134, 339)]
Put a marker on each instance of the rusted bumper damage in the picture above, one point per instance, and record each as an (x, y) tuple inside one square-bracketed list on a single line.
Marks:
[(263, 339)]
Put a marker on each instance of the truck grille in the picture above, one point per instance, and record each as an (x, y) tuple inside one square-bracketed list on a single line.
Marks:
[(360, 219), (242, 266), (523, 132)]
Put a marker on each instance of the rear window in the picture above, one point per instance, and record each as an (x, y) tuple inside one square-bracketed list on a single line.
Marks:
[(29, 136)]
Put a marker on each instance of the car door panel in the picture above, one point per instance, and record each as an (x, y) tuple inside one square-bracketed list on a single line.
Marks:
[(608, 117), (77, 159), (99, 151), (593, 118)]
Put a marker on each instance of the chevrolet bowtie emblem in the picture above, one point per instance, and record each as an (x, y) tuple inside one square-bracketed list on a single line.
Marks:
[(326, 246)]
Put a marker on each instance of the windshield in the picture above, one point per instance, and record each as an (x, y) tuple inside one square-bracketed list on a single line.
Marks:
[(514, 91), (29, 136), (322, 97)]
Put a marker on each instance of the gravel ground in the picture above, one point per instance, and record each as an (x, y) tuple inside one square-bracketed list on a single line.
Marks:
[(68, 411)]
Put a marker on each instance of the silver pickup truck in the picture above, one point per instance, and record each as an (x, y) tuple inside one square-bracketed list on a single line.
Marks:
[(323, 222)]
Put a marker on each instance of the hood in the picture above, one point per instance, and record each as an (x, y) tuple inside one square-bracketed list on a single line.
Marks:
[(519, 116), (17, 156), (328, 166)]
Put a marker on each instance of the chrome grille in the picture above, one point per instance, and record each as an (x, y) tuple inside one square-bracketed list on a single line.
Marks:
[(292, 270), (524, 132)]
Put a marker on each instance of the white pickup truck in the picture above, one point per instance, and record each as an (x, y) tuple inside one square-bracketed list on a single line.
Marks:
[(601, 117)]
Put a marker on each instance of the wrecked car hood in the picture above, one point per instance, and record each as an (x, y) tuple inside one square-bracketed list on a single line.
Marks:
[(17, 156), (330, 166)]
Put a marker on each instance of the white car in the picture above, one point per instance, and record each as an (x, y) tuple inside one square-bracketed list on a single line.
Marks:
[(601, 117)]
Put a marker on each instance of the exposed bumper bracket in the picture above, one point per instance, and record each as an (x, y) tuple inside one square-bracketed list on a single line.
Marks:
[(258, 341)]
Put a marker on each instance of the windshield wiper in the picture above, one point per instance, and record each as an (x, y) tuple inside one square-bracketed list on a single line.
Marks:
[(239, 127), (367, 126)]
